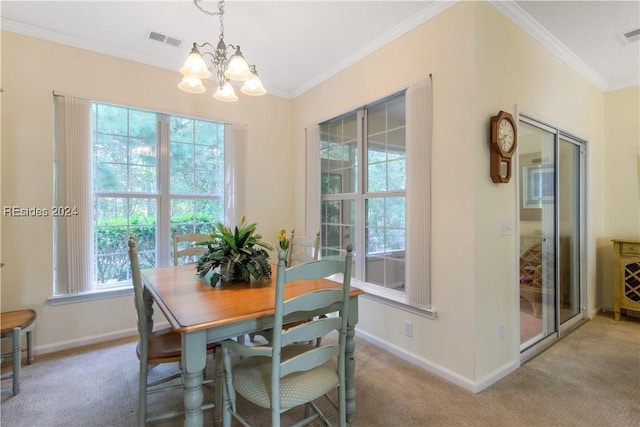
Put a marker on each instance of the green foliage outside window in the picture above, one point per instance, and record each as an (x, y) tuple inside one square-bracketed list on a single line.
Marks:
[(112, 236)]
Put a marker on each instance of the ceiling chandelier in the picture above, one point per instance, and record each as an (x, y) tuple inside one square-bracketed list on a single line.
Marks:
[(228, 68)]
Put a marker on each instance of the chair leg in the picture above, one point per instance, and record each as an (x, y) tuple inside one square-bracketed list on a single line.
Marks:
[(16, 356), (142, 394)]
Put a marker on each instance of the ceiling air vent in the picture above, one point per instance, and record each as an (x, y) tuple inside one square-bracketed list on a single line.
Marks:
[(159, 37), (173, 41), (633, 36)]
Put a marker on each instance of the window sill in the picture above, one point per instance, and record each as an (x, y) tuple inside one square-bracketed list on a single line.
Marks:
[(389, 297), (91, 296)]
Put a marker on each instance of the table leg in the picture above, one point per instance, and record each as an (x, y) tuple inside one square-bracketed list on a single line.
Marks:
[(350, 367), (194, 354), (218, 387)]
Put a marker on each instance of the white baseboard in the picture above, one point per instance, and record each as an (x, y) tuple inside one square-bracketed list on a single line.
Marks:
[(80, 342), (89, 340), (441, 371)]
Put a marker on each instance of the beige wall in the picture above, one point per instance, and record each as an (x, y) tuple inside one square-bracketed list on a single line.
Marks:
[(621, 179), (481, 63), (28, 82), (446, 51)]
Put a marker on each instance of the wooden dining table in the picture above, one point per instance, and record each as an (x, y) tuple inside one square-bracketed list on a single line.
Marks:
[(204, 314)]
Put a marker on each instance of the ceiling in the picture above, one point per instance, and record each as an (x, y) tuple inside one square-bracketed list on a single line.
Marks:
[(297, 44)]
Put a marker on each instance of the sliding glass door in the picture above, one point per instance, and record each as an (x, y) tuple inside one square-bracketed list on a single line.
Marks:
[(571, 216), (551, 179)]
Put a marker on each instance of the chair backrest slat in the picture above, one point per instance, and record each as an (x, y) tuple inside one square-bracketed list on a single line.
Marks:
[(316, 357), (313, 301), (192, 239), (303, 248), (318, 302), (310, 331)]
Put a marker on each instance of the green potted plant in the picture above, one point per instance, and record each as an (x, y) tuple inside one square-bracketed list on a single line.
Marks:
[(235, 255)]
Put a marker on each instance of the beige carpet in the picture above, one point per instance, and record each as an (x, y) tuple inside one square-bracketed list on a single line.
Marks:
[(589, 378)]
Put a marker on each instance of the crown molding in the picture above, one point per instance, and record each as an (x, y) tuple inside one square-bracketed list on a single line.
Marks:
[(521, 18)]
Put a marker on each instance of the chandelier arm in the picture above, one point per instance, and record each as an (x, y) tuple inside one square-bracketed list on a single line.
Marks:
[(205, 44)]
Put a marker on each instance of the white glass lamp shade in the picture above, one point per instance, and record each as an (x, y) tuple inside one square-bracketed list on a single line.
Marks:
[(238, 69), (226, 93), (194, 66), (192, 85), (253, 87)]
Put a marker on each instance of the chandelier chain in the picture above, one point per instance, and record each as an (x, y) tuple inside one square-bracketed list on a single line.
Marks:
[(208, 12), (219, 13)]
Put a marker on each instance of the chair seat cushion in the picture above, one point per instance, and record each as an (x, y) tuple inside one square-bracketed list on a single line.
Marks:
[(252, 379)]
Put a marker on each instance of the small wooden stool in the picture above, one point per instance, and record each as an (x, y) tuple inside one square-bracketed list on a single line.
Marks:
[(15, 324)]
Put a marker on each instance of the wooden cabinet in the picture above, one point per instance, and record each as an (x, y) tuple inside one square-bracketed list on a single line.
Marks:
[(626, 276)]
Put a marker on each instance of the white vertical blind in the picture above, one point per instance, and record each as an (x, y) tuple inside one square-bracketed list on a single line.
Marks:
[(418, 203), (73, 234), (313, 195), (235, 152)]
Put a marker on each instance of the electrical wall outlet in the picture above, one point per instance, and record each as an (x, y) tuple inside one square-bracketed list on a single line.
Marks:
[(408, 328)]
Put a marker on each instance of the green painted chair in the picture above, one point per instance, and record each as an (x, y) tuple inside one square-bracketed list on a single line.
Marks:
[(181, 250), (154, 347), (302, 248), (288, 374)]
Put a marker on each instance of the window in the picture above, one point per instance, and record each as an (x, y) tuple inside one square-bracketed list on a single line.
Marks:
[(148, 172), (368, 160), (381, 203), (130, 186)]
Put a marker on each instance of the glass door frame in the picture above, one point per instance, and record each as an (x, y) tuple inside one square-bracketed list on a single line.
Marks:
[(582, 315)]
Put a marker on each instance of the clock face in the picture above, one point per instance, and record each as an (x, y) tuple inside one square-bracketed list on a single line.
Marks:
[(506, 135)]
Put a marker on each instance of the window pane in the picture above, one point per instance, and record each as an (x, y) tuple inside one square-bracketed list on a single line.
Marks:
[(194, 216), (385, 240), (377, 177), (115, 219), (181, 129), (209, 133), (117, 156), (386, 146), (110, 119), (338, 220), (109, 177), (197, 157), (338, 154), (110, 148), (143, 124)]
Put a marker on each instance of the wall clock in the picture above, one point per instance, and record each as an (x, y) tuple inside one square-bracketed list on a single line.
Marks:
[(503, 137)]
